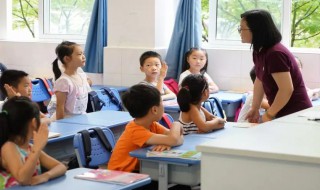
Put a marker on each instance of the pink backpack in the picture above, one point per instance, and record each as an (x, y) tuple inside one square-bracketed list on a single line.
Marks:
[(172, 85)]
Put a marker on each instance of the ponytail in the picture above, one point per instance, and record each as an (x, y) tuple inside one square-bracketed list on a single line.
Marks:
[(56, 70), (184, 99)]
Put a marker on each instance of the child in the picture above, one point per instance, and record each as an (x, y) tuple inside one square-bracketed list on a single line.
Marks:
[(156, 70), (313, 94), (248, 103), (196, 62), (20, 160), (17, 83), (145, 105), (194, 118), (71, 87)]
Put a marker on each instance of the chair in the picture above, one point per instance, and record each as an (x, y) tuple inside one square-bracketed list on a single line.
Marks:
[(39, 91), (99, 154), (166, 120)]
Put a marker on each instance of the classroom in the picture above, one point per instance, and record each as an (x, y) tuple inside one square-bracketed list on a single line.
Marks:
[(279, 154)]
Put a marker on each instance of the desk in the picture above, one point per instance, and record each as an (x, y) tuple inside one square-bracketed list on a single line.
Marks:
[(179, 171), (69, 182), (119, 88), (296, 118), (273, 155), (115, 120)]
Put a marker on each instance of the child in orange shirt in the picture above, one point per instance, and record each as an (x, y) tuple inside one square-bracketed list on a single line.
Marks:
[(145, 105)]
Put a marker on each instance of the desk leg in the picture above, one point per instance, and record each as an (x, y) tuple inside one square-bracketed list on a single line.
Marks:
[(163, 176)]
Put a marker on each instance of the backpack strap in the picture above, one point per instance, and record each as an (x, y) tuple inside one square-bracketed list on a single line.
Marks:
[(103, 139), (166, 120), (219, 106), (86, 145), (48, 87), (113, 97)]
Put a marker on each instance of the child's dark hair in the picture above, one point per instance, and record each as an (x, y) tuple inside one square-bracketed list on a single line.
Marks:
[(12, 78), (186, 65), (191, 91), (147, 55), (140, 98), (15, 116), (62, 50)]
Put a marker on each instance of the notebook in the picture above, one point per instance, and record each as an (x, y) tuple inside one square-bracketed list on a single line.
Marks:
[(183, 154), (53, 135), (112, 176)]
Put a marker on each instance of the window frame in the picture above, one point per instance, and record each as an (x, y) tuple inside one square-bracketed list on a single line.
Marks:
[(236, 44), (44, 25)]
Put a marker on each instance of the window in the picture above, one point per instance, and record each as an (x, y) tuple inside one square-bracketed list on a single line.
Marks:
[(55, 19), (297, 20)]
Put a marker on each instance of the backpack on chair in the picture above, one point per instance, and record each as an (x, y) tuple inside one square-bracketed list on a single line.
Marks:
[(214, 106), (93, 147)]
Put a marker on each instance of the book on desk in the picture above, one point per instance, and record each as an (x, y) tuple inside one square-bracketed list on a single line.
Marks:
[(112, 176), (183, 154), (53, 135)]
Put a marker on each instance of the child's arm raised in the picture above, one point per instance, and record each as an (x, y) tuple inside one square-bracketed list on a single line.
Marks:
[(205, 126), (172, 137), (23, 172)]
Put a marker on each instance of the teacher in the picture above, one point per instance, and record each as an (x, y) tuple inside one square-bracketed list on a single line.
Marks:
[(278, 75)]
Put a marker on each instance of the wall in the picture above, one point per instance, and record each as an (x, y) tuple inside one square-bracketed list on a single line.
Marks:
[(139, 26)]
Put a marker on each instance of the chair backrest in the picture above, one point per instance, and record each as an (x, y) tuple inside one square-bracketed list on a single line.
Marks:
[(39, 91), (214, 106), (99, 154), (104, 99), (166, 120)]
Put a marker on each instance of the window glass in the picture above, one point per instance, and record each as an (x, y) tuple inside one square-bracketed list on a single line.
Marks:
[(67, 17)]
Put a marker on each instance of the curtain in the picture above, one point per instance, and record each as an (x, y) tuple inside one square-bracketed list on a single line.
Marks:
[(186, 34), (96, 38)]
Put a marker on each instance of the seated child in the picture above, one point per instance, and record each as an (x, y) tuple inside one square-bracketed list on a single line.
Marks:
[(247, 105), (194, 118), (17, 83), (145, 105), (196, 62), (156, 71), (313, 94), (21, 161)]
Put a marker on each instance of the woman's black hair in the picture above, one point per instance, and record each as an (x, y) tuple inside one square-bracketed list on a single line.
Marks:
[(65, 48), (191, 91), (265, 34), (186, 65), (15, 117)]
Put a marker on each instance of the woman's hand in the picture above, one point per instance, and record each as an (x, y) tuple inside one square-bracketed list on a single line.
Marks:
[(253, 115)]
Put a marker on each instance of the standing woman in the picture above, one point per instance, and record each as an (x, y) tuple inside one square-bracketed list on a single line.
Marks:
[(278, 75)]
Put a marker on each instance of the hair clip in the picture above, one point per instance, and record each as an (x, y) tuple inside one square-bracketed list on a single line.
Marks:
[(186, 87)]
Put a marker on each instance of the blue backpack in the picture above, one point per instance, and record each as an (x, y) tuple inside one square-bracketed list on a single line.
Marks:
[(214, 106), (104, 99)]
